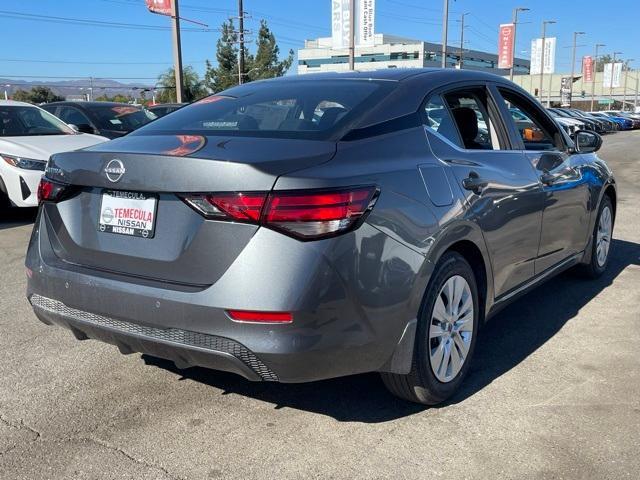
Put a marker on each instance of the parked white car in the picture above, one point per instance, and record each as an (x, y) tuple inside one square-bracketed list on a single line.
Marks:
[(28, 137)]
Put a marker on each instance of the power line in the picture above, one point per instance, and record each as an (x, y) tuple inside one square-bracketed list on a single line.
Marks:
[(95, 23), (78, 62)]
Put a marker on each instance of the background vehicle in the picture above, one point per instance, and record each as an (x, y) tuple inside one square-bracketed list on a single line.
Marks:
[(635, 118), (623, 123), (608, 124), (570, 125), (595, 125), (311, 227), (28, 136), (161, 109), (109, 119), (587, 124)]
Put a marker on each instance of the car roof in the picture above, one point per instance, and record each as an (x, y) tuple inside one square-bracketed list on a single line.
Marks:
[(94, 104), (16, 103)]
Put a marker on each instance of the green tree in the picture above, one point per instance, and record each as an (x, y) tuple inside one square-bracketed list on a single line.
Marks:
[(225, 74), (36, 95), (601, 62), (194, 88), (265, 63)]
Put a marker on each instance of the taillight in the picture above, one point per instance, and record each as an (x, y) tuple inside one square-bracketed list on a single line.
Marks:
[(304, 214), (50, 191)]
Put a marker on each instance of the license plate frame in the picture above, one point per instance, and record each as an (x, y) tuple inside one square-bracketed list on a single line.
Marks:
[(127, 200)]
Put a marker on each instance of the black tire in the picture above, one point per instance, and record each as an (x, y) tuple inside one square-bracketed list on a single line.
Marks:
[(420, 385), (594, 269)]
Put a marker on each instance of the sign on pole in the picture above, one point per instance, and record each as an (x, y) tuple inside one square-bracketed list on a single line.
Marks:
[(612, 75), (365, 20), (162, 7), (505, 46), (565, 91), (587, 68), (549, 55)]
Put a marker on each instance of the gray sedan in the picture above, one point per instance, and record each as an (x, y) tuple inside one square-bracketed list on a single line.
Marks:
[(317, 226)]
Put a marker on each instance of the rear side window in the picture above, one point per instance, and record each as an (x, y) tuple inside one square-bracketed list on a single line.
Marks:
[(439, 120), (298, 109)]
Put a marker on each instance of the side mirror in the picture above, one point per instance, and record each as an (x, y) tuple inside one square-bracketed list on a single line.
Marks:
[(587, 142), (85, 128)]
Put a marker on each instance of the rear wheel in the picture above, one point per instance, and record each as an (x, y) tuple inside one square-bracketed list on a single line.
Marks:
[(601, 241), (446, 335)]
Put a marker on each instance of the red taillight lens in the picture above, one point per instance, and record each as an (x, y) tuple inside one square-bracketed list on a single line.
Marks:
[(239, 206), (260, 317), (49, 191), (316, 214), (304, 214)]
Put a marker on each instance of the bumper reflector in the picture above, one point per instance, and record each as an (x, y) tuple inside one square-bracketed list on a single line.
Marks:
[(260, 317)]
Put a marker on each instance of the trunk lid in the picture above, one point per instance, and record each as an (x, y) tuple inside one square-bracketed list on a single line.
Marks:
[(185, 248)]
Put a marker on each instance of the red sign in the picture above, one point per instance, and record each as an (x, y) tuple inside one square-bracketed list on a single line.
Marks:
[(163, 7), (587, 68), (505, 46)]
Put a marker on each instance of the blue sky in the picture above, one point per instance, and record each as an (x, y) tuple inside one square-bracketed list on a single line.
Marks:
[(39, 48)]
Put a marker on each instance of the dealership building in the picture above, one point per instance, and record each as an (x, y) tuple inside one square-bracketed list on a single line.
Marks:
[(390, 51)]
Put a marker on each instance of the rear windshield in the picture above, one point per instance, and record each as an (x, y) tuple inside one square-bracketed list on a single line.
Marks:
[(123, 118), (25, 121), (306, 109)]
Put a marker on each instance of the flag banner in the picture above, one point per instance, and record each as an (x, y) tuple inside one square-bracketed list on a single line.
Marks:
[(549, 55), (162, 7), (505, 46), (587, 68), (364, 21), (612, 75)]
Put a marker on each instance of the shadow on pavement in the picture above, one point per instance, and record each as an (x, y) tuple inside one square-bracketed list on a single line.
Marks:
[(503, 344), (16, 217)]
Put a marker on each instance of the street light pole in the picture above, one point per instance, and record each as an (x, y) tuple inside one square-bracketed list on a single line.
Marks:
[(626, 76), (462, 39), (352, 34), (177, 50), (595, 73), (544, 36), (445, 25), (573, 65), (513, 47), (613, 69)]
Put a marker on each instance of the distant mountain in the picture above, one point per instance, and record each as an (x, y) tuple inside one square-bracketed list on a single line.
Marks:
[(101, 86)]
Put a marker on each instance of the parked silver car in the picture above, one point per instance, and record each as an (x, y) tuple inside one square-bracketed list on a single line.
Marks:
[(311, 227)]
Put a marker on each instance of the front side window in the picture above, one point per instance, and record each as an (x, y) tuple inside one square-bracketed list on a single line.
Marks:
[(73, 116), (535, 130), (18, 120)]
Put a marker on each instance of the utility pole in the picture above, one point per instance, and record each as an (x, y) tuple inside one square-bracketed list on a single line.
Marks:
[(635, 101), (626, 77), (241, 38), (460, 62), (544, 36), (613, 71), (445, 25), (573, 65), (352, 34), (513, 47), (177, 50), (595, 73)]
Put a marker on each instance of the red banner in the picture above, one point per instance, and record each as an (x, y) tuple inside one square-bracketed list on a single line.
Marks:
[(587, 68), (505, 46), (163, 7)]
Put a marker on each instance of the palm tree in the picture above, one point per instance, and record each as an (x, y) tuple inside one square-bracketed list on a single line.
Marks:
[(194, 88)]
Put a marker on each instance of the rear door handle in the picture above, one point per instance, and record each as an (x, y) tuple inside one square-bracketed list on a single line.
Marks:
[(474, 183)]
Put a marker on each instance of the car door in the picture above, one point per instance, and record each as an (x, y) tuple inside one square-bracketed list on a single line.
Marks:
[(502, 192), (565, 218)]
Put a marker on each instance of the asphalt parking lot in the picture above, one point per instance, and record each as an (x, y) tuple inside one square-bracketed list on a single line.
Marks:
[(554, 392)]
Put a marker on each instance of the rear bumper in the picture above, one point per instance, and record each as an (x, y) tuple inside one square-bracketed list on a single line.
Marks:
[(348, 318), (184, 348)]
